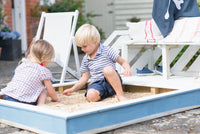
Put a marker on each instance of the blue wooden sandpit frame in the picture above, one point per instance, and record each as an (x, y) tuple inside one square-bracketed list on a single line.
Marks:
[(100, 119)]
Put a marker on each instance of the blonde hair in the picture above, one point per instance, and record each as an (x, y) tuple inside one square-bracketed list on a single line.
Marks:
[(87, 34), (41, 51)]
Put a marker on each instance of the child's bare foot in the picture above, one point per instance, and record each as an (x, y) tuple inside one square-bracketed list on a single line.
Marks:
[(122, 98)]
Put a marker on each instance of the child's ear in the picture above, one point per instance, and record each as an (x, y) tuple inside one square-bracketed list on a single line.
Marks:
[(97, 42)]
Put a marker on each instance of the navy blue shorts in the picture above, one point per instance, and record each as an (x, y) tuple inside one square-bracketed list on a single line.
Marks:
[(5, 97), (104, 88)]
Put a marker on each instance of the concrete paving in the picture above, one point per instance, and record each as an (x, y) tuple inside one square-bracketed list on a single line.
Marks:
[(187, 122)]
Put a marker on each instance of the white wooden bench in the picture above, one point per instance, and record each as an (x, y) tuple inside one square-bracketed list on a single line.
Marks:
[(143, 53), (182, 78)]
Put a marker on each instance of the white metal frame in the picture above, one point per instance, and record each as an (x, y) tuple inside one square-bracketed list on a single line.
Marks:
[(70, 42)]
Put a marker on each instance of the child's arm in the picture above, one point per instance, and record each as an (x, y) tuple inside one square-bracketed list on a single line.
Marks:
[(50, 89), (82, 81), (125, 65)]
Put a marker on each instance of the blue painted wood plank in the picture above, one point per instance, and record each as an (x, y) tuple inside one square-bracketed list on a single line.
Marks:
[(133, 111), (30, 116)]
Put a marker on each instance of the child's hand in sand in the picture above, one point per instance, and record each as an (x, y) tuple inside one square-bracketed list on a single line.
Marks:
[(68, 91), (127, 72), (58, 100)]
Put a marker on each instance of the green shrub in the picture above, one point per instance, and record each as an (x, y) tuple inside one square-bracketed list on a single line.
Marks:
[(2, 16), (198, 2)]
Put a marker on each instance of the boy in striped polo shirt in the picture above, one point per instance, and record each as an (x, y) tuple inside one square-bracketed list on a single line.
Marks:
[(99, 65)]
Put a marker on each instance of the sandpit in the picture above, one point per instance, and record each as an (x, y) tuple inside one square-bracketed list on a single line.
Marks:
[(77, 101)]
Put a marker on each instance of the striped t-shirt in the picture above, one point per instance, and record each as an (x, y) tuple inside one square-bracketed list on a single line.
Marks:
[(105, 56)]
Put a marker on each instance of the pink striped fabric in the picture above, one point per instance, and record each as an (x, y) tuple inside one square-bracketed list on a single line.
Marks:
[(185, 30)]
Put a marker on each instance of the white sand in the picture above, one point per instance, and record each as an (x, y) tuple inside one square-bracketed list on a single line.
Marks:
[(77, 101)]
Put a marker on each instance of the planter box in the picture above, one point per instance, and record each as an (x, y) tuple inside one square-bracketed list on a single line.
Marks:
[(11, 49)]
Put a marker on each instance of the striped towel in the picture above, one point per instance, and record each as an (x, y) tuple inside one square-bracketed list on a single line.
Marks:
[(185, 30), (144, 31)]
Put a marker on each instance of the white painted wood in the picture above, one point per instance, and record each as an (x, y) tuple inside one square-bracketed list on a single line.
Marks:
[(40, 26), (195, 67), (64, 84), (165, 58), (70, 43), (174, 52), (142, 61), (118, 44), (151, 59), (132, 53), (20, 22), (114, 35), (185, 58), (158, 81), (125, 51), (76, 56)]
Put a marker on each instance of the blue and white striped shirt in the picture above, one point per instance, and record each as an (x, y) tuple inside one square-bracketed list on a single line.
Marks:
[(105, 56)]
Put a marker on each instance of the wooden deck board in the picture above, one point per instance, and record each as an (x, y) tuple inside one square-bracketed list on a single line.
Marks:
[(157, 81)]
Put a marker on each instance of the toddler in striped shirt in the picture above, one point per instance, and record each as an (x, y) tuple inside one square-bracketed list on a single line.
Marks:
[(98, 65)]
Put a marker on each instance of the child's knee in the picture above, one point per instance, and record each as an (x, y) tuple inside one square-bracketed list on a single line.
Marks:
[(93, 95), (43, 93), (109, 70), (42, 98)]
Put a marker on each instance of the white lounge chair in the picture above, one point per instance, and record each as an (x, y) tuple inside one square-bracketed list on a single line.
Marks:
[(59, 29)]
